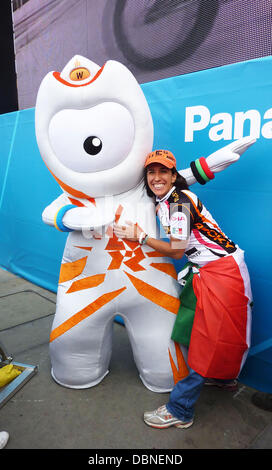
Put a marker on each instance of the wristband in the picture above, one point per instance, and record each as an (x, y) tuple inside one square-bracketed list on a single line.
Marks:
[(59, 216), (204, 164), (197, 176), (201, 171), (143, 238)]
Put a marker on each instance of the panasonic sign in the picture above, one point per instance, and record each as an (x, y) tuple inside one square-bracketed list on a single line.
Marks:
[(225, 126)]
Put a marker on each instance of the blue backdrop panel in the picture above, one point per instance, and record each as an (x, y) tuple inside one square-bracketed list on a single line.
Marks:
[(27, 247), (239, 198)]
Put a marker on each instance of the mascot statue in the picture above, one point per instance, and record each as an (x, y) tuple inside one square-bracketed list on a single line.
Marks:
[(94, 130)]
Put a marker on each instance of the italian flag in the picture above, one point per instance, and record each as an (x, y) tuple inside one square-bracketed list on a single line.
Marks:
[(219, 333)]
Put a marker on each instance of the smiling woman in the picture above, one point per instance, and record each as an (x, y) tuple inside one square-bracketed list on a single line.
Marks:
[(160, 179), (214, 317), (163, 158)]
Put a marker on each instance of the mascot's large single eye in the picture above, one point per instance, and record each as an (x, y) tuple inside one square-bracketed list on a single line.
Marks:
[(93, 139), (92, 145)]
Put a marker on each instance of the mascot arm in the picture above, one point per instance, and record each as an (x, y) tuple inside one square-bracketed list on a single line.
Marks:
[(66, 217), (202, 170), (87, 218)]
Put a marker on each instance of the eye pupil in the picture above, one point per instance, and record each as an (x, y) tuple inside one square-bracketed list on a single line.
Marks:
[(92, 145)]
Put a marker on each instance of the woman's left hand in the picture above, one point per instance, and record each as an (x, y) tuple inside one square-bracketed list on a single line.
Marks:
[(130, 231)]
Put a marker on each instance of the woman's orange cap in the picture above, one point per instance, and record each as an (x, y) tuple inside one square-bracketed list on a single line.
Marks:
[(165, 157)]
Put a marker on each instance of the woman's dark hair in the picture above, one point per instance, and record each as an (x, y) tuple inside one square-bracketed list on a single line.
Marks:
[(180, 182)]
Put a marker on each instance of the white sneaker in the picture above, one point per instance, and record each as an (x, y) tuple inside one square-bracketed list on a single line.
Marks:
[(4, 437), (161, 418)]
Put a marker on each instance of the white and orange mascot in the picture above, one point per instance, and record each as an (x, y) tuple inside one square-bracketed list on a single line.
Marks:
[(94, 130)]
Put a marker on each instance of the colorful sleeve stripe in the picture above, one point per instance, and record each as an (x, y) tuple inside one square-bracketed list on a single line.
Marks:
[(205, 167), (59, 216), (201, 171), (196, 174)]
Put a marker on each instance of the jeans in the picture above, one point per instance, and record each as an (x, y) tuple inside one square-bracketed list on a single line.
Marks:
[(184, 396)]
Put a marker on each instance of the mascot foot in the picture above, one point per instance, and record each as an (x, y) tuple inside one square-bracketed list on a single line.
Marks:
[(77, 385), (156, 389)]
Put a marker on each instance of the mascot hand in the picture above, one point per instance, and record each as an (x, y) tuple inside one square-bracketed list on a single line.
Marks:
[(229, 154), (217, 161), (86, 218)]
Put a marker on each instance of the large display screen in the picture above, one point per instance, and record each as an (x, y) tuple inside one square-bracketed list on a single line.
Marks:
[(155, 38)]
